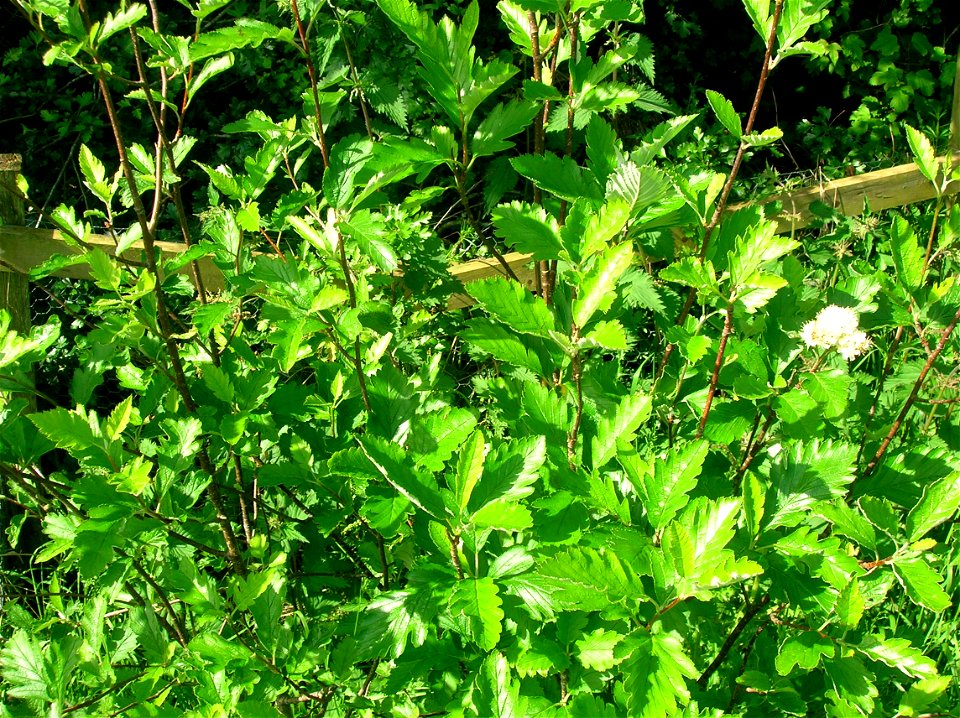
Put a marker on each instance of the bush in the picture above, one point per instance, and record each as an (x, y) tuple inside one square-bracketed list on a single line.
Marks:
[(688, 470)]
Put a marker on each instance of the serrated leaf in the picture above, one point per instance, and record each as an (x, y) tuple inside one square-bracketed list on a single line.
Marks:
[(655, 676), (595, 650), (347, 158), (762, 139), (24, 670), (922, 584), (900, 654), (665, 491), (509, 472), (393, 619), (723, 109), (501, 122), (469, 469), (369, 231), (498, 690), (691, 272), (631, 412), (511, 303), (560, 176), (391, 462), (528, 228), (66, 429), (590, 580), (804, 651), (475, 605), (939, 502), (505, 346), (502, 515), (805, 474), (119, 419), (854, 685), (923, 154), (850, 605), (607, 334), (597, 290), (906, 253), (921, 695)]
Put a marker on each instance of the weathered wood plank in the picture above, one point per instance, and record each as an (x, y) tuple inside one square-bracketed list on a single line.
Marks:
[(26, 248), (884, 189), (14, 287), (521, 264)]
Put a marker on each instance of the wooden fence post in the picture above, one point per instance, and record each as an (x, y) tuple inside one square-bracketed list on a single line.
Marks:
[(14, 287)]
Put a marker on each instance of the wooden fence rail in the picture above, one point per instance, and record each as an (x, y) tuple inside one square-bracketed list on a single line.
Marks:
[(22, 248)]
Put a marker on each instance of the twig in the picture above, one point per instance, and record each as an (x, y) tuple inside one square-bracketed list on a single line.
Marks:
[(725, 649), (944, 337)]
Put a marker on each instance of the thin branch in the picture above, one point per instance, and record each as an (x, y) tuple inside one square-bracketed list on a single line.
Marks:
[(728, 644), (944, 337)]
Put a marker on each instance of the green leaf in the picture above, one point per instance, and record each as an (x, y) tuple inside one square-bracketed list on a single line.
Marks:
[(123, 19), (848, 521), (501, 122), (590, 580), (368, 230), (923, 155), (392, 619), (632, 411), (104, 270), (922, 584), (505, 346), (211, 68), (906, 252), (723, 109), (804, 651), (850, 605), (434, 437), (597, 290), (664, 491), (528, 228), (476, 608), (119, 419), (940, 500), (853, 684), (514, 305), (695, 543), (921, 695), (762, 139), (804, 475), (66, 429), (900, 654), (830, 388), (654, 676), (246, 32), (560, 176), (607, 334), (595, 650), (347, 158), (469, 469), (391, 462), (498, 690), (690, 272), (24, 670), (603, 226), (509, 472), (502, 515)]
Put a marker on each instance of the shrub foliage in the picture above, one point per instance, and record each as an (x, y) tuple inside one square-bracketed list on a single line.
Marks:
[(696, 467)]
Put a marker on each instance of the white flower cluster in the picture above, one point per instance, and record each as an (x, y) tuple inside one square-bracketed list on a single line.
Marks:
[(836, 328)]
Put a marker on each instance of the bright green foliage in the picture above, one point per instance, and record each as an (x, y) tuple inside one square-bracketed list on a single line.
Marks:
[(642, 484)]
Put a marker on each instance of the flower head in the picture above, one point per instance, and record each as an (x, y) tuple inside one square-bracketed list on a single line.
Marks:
[(836, 328)]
